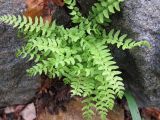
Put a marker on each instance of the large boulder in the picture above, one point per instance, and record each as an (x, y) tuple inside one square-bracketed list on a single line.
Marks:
[(140, 19), (15, 86)]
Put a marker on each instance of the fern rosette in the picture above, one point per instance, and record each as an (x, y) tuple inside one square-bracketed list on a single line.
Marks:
[(79, 54)]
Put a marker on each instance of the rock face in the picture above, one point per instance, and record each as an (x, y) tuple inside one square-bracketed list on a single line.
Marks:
[(15, 86), (141, 20)]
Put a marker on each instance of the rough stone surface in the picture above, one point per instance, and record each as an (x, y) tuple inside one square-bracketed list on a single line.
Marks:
[(15, 86), (141, 20)]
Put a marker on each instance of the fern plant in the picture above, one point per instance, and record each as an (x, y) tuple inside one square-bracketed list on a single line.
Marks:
[(79, 54)]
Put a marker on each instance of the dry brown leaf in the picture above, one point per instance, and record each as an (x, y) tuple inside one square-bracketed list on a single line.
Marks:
[(152, 112), (44, 8), (45, 85), (13, 109)]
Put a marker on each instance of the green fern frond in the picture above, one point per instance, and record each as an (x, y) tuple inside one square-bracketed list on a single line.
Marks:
[(123, 41), (29, 27), (110, 85), (89, 104), (102, 10), (75, 13)]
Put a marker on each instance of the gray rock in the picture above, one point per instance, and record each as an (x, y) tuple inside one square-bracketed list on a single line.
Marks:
[(15, 86), (141, 20)]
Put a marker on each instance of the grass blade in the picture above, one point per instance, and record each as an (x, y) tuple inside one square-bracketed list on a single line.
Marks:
[(132, 106)]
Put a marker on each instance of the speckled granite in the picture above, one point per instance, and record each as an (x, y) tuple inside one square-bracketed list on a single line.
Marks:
[(140, 19), (15, 86)]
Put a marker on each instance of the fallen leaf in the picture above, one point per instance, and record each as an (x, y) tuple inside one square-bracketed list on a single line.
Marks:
[(152, 112), (13, 109), (8, 110), (44, 8), (29, 112)]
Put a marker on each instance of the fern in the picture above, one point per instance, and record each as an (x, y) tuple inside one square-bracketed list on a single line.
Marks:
[(79, 54), (102, 10)]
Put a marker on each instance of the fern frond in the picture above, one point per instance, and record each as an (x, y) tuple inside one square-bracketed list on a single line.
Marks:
[(29, 27), (75, 13), (111, 84), (102, 10), (123, 41), (89, 104)]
